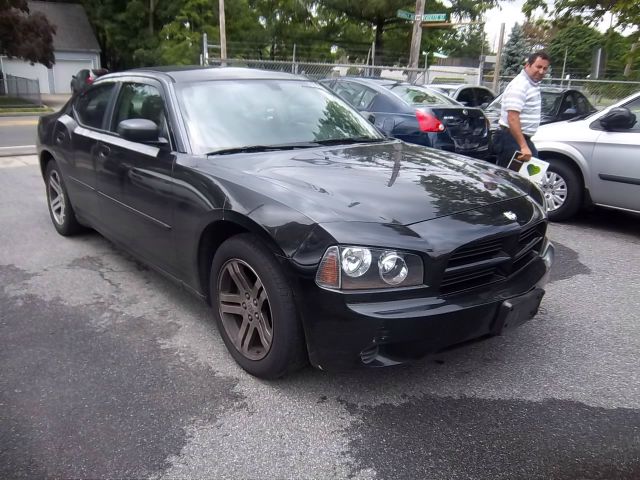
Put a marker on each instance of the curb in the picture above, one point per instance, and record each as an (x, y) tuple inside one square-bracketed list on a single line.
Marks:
[(26, 114), (18, 151)]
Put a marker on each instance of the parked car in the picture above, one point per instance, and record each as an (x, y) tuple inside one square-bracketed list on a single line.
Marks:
[(86, 77), (314, 237), (594, 160), (467, 95), (416, 114), (557, 105)]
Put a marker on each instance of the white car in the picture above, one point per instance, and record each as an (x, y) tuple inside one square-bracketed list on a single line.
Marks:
[(594, 160)]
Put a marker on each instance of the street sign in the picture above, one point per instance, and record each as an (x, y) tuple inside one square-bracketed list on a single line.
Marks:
[(406, 15), (434, 17), (427, 17)]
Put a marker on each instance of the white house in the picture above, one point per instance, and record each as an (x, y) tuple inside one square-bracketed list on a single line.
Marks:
[(75, 47)]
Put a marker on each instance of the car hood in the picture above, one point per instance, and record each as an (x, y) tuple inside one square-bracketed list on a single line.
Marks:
[(564, 131), (390, 182)]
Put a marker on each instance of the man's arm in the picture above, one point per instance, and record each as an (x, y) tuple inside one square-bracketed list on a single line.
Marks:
[(513, 118)]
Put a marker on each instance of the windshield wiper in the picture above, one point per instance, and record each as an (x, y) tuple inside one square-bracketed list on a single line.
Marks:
[(350, 140), (263, 148)]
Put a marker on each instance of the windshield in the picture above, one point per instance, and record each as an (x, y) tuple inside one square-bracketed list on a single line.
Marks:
[(422, 96), (550, 103), (222, 115)]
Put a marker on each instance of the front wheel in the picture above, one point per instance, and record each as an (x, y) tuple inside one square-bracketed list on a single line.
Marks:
[(254, 308), (562, 188), (62, 214)]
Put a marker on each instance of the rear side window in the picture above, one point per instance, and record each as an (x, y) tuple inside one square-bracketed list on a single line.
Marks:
[(484, 96), (465, 97), (91, 106)]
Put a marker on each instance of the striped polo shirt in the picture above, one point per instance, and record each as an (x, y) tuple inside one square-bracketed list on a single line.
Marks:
[(522, 95)]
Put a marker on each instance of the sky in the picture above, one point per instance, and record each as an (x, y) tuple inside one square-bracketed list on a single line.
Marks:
[(510, 12)]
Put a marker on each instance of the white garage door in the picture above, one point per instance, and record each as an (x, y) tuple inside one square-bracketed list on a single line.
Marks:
[(63, 70)]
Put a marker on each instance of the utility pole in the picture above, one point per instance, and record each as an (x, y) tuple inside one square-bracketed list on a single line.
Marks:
[(627, 67), (564, 65), (223, 35), (152, 8), (496, 72), (416, 39)]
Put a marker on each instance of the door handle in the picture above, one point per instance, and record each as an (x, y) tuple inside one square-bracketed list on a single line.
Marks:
[(104, 151)]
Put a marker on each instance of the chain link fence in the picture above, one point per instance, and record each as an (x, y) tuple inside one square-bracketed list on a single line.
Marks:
[(601, 93), (23, 88), (317, 71)]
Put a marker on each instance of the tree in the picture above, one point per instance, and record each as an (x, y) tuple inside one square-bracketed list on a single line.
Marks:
[(25, 35), (578, 41), (515, 51)]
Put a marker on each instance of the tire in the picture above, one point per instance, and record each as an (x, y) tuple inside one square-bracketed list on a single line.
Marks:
[(60, 209), (254, 308), (563, 190)]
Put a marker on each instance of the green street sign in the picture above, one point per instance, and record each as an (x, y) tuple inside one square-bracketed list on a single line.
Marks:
[(427, 17), (406, 15), (434, 17)]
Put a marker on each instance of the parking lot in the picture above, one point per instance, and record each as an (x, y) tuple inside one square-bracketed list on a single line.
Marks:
[(107, 370)]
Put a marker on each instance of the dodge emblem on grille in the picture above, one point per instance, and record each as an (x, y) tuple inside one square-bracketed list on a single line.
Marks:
[(510, 215)]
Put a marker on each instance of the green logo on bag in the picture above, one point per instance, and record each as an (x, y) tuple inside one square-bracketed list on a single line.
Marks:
[(533, 169)]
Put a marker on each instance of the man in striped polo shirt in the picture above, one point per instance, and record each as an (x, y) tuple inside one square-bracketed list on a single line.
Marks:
[(520, 111)]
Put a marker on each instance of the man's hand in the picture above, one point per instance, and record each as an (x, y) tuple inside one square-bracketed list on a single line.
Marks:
[(525, 154)]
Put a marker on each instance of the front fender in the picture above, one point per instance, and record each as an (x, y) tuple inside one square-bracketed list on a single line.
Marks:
[(548, 148)]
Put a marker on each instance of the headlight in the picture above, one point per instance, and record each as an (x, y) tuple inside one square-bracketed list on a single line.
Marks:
[(349, 267), (393, 268), (355, 261)]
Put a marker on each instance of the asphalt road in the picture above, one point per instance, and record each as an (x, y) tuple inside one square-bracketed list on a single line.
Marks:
[(107, 370), (17, 135)]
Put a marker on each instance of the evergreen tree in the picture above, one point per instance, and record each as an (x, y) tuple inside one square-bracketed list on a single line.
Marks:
[(515, 52)]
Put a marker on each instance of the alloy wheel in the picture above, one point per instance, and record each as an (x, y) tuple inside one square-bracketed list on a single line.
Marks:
[(554, 188), (56, 198), (245, 310)]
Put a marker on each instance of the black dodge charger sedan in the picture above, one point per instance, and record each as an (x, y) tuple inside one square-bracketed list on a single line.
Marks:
[(313, 237)]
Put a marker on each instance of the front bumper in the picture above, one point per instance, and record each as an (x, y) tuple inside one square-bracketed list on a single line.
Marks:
[(378, 329)]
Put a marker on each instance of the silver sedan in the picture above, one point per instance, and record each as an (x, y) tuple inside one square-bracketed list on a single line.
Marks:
[(594, 160)]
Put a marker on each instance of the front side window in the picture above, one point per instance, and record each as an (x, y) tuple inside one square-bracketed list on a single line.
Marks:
[(91, 106), (234, 114), (138, 100)]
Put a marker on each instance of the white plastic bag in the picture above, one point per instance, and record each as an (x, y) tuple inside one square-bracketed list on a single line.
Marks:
[(535, 169)]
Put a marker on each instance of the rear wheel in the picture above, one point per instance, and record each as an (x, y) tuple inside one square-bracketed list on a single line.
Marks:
[(562, 188), (62, 214), (254, 308)]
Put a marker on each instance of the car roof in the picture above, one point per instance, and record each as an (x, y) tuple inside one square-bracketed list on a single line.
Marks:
[(178, 74)]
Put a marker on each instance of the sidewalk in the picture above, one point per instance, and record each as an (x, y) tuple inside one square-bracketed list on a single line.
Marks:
[(18, 161), (55, 101)]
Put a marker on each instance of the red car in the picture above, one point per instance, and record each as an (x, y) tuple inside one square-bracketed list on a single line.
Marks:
[(86, 77)]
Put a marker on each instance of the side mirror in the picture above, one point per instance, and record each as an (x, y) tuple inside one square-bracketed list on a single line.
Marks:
[(570, 111), (73, 76), (619, 118), (139, 130), (372, 118), (484, 105)]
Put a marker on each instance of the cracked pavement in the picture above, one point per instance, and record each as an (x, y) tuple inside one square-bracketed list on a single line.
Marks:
[(107, 370)]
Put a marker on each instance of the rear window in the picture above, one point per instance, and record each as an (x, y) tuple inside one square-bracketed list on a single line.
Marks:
[(421, 96)]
